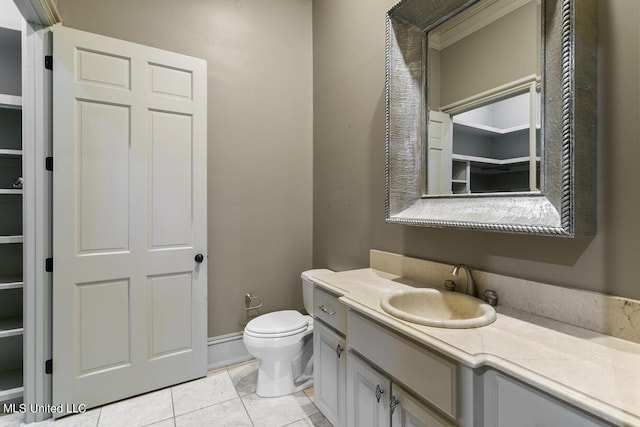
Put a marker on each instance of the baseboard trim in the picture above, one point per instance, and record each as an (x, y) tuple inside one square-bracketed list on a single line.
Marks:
[(225, 350)]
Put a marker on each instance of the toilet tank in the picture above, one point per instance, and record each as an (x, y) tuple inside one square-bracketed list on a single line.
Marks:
[(307, 288)]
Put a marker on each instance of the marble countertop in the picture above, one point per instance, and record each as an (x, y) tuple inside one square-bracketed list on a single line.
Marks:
[(592, 371)]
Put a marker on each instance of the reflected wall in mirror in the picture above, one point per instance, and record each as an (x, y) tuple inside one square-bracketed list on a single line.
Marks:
[(491, 115), (483, 107)]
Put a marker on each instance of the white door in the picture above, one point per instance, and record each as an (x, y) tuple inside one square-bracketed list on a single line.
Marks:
[(439, 152), (129, 218), (367, 395), (329, 373)]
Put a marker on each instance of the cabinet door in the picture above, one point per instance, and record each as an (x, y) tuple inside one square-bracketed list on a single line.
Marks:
[(407, 411), (329, 373), (367, 395), (508, 403)]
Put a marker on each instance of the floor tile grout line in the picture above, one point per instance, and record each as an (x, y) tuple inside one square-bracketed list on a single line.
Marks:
[(246, 411), (208, 406), (173, 407), (99, 415)]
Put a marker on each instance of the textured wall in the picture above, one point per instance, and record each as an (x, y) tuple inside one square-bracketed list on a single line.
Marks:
[(348, 37), (259, 57)]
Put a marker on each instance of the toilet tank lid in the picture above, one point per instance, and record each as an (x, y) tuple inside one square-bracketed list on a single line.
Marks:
[(278, 322), (306, 275)]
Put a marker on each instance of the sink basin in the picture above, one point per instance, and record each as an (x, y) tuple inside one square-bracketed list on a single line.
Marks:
[(442, 309)]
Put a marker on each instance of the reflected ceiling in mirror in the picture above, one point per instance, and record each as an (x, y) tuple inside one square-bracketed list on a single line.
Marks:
[(491, 115)]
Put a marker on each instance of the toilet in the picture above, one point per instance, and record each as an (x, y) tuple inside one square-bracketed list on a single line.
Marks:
[(283, 343)]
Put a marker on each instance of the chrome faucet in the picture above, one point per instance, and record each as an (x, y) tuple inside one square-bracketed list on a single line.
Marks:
[(471, 289)]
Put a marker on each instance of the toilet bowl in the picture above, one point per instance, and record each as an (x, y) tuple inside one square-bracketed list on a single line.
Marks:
[(283, 343)]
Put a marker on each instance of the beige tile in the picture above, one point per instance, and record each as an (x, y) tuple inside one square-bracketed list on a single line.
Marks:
[(204, 392), (138, 411), (309, 392), (278, 411), (230, 413)]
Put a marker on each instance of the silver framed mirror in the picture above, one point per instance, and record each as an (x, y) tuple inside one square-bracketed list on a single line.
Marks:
[(544, 184)]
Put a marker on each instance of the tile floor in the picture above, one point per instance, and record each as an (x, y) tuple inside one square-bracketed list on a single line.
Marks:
[(225, 397)]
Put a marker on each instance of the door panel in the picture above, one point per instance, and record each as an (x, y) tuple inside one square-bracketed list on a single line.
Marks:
[(103, 311), (329, 373), (439, 151), (171, 171), (129, 215), (367, 395), (103, 142), (170, 310)]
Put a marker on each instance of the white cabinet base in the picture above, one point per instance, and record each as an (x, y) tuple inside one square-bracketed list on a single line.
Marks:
[(329, 373), (509, 403)]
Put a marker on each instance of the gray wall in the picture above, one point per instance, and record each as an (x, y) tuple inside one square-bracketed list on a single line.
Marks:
[(467, 68), (348, 38), (259, 57)]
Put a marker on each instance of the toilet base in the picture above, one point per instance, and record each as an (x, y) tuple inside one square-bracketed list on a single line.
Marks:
[(276, 379)]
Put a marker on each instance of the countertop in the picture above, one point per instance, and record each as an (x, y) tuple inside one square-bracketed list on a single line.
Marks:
[(592, 371)]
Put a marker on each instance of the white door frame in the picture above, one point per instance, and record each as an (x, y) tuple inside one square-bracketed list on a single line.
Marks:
[(36, 141)]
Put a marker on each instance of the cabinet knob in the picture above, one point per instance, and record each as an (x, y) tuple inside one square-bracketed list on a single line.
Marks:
[(339, 350), (199, 258), (379, 392)]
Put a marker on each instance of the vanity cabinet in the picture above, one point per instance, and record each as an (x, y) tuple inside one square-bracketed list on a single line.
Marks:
[(407, 411), (374, 399), (329, 373), (329, 357), (510, 403), (441, 389), (368, 394)]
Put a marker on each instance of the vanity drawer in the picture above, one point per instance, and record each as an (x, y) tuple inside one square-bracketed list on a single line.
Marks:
[(429, 375), (327, 308)]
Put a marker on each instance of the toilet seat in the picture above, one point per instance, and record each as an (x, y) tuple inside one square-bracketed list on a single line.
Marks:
[(277, 324)]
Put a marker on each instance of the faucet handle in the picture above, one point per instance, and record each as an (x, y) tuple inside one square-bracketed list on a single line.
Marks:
[(491, 297), (450, 285)]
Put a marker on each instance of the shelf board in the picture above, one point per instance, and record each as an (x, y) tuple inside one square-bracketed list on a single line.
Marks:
[(491, 161), (10, 152), (459, 181), (10, 101), (11, 326), (484, 129), (6, 284), (11, 191), (10, 239), (11, 385)]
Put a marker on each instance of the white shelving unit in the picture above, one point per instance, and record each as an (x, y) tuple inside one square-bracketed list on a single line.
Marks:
[(11, 207), (495, 145)]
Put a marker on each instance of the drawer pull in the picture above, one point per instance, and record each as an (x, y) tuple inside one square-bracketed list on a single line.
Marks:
[(379, 392), (323, 308), (394, 403), (339, 350)]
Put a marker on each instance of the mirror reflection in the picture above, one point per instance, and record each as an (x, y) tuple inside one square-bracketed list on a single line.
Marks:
[(483, 98)]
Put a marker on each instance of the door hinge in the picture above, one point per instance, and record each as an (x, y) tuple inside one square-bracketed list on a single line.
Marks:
[(48, 164), (48, 366), (48, 62), (48, 265)]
